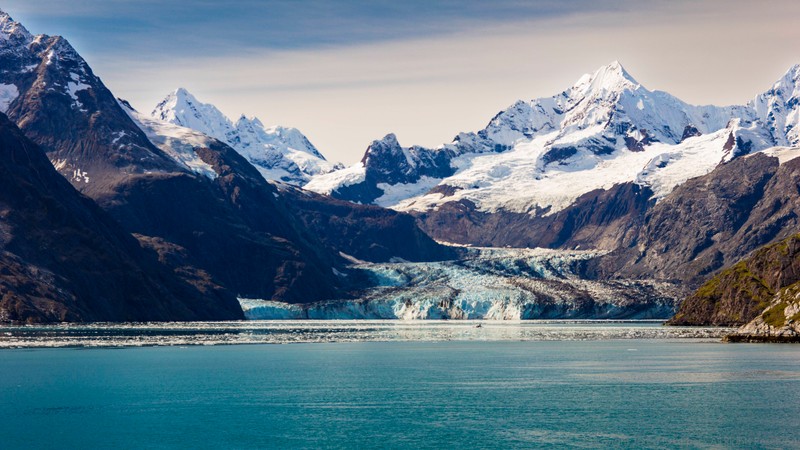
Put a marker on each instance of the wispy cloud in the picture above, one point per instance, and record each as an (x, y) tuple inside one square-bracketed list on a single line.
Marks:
[(196, 27)]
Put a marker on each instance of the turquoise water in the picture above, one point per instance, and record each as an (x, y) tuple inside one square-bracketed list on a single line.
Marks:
[(634, 393)]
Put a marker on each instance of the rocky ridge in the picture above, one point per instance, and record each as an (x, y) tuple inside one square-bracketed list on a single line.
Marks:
[(279, 153)]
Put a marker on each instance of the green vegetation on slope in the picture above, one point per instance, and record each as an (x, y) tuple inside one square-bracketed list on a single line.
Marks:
[(736, 295)]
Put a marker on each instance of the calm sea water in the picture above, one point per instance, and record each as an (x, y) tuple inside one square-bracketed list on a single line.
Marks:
[(599, 393)]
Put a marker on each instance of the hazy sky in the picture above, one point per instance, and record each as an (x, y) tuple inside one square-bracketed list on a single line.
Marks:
[(348, 72)]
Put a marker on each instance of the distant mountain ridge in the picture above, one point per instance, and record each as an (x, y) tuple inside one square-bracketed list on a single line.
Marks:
[(538, 157), (279, 153)]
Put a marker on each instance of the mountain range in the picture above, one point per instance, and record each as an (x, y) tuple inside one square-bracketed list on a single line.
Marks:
[(190, 201), (279, 153), (607, 164), (113, 214)]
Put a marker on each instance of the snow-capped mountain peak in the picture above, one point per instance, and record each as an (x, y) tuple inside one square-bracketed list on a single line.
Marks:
[(610, 78), (13, 30), (538, 156), (251, 122), (279, 153), (182, 108), (779, 108)]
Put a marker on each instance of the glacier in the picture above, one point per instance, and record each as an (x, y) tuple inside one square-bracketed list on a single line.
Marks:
[(488, 284)]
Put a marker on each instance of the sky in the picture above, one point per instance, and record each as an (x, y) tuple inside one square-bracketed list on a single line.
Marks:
[(349, 72)]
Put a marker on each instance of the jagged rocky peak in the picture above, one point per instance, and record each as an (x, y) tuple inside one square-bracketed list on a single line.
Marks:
[(182, 108), (249, 122), (779, 109), (388, 145), (386, 160), (44, 77), (17, 41), (11, 30), (279, 153)]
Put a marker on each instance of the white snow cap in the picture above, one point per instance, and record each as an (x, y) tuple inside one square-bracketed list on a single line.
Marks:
[(611, 77), (183, 109), (279, 153), (542, 154), (11, 29)]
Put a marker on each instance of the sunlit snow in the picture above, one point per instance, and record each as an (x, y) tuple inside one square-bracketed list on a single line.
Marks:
[(177, 142), (279, 153), (606, 129)]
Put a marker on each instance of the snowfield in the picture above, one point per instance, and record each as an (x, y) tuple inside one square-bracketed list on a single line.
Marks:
[(177, 142)]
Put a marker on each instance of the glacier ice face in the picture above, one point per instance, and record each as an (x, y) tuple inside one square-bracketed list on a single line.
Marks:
[(491, 284)]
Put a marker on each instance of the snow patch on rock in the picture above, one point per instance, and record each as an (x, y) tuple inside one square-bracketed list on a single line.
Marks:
[(8, 93)]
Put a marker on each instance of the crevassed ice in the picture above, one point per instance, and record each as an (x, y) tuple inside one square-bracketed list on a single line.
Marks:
[(492, 284)]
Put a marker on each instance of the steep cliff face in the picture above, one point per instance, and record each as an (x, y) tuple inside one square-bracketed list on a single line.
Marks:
[(766, 280), (64, 259), (604, 219), (366, 232), (712, 221)]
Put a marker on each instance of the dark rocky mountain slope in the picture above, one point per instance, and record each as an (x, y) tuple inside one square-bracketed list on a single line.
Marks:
[(366, 232), (64, 259), (601, 219), (769, 277), (252, 247), (712, 221)]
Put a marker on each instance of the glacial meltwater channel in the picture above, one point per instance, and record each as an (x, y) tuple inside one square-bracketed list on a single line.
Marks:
[(391, 385)]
